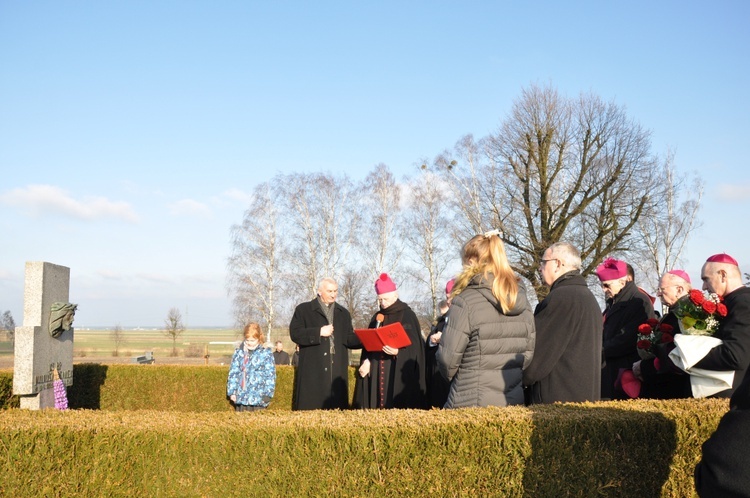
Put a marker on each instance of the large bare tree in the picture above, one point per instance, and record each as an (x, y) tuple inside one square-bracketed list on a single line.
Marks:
[(254, 274), (561, 169)]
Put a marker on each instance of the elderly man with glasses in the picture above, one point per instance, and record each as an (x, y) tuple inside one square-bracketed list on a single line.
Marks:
[(627, 308), (660, 378), (567, 356)]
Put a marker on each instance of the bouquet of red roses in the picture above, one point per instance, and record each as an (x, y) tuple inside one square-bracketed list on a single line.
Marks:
[(700, 313), (651, 334)]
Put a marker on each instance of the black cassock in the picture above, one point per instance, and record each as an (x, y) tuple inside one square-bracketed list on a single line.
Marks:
[(395, 381)]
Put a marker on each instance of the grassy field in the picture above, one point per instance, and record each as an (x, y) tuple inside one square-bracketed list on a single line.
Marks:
[(98, 346)]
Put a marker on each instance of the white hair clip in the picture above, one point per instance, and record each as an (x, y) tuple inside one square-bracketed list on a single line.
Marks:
[(496, 231)]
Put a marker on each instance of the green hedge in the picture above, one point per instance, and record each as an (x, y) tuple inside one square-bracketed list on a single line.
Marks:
[(169, 431), (636, 448), (156, 387)]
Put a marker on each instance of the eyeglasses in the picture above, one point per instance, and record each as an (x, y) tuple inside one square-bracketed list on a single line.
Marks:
[(606, 286), (661, 290), (542, 261)]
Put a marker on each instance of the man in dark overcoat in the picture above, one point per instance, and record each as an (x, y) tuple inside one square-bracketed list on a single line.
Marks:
[(323, 330), (627, 308), (568, 352)]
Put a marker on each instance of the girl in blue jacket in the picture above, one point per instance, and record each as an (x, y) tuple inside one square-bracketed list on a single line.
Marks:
[(252, 374)]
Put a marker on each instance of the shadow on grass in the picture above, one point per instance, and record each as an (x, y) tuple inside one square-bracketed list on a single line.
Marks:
[(578, 450)]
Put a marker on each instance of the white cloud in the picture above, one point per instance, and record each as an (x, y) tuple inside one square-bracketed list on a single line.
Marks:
[(189, 207), (731, 192), (44, 200), (236, 194)]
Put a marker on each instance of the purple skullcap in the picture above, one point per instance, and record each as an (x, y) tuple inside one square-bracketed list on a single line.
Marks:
[(449, 286), (722, 258), (611, 269), (682, 274)]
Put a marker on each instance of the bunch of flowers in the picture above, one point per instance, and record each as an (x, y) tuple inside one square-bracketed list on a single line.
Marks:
[(700, 313), (650, 334), (61, 395)]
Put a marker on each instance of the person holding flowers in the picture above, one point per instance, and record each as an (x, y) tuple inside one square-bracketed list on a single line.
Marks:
[(660, 378), (627, 308), (721, 275)]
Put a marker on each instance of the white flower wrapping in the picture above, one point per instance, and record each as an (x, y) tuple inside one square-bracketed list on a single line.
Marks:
[(689, 350)]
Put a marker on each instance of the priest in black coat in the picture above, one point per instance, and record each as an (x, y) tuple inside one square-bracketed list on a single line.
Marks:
[(627, 308), (323, 330), (393, 378), (721, 275)]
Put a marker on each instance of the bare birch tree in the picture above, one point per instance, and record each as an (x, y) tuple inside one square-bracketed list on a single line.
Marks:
[(381, 247), (426, 230), (357, 296), (323, 218), (254, 274), (667, 231)]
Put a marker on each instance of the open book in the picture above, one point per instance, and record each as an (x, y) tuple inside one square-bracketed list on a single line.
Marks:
[(392, 335)]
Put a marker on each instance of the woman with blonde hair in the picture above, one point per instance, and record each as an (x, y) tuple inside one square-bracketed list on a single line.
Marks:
[(490, 335), (252, 373)]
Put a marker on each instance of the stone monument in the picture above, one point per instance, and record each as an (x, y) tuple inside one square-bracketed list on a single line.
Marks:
[(44, 344)]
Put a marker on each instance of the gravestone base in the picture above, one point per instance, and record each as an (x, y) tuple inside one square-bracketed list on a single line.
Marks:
[(39, 401)]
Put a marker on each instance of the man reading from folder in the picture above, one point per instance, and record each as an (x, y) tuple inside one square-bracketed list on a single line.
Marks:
[(393, 378)]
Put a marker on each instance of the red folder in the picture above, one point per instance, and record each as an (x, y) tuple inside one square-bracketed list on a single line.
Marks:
[(392, 335)]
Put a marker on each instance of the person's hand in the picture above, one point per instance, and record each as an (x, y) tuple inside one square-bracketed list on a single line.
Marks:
[(364, 368), (389, 350), (637, 370), (435, 338), (233, 397), (326, 331)]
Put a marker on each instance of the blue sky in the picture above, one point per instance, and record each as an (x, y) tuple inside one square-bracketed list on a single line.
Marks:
[(131, 133)]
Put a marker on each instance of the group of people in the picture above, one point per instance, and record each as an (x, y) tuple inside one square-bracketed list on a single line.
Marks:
[(488, 348)]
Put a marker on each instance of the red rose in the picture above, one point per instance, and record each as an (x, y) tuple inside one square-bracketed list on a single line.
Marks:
[(644, 329), (709, 307), (644, 344), (667, 328), (696, 296), (722, 309), (666, 338), (653, 322)]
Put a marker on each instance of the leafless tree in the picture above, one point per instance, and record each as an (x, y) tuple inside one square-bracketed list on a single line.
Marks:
[(8, 325), (118, 337), (356, 295), (470, 187), (381, 247), (426, 230), (173, 327), (254, 269), (563, 169), (666, 232), (323, 219)]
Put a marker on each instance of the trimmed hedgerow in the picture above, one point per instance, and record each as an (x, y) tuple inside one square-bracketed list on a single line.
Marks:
[(169, 431), (637, 448)]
